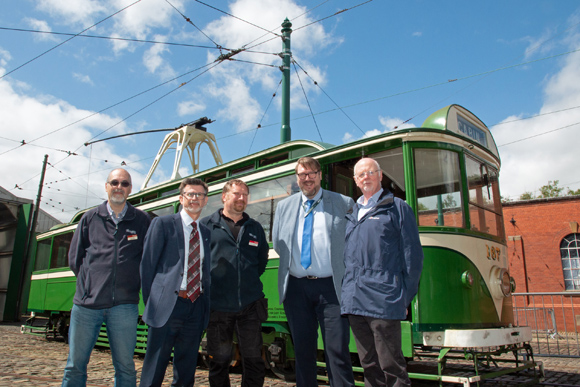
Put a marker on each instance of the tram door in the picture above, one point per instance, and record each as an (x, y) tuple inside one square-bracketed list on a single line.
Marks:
[(341, 179)]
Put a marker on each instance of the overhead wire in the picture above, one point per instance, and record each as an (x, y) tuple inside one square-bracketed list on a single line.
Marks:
[(307, 101), (71, 38), (328, 96), (133, 40), (263, 115)]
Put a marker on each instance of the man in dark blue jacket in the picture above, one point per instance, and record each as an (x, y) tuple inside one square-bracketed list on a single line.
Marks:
[(384, 259), (105, 254), (239, 254)]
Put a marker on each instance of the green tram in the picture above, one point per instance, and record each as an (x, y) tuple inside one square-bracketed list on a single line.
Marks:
[(447, 171)]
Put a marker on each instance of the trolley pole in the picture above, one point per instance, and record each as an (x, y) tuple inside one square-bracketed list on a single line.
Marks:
[(285, 132), (26, 258)]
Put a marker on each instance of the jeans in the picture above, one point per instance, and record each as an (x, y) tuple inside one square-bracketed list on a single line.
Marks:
[(220, 332), (85, 324)]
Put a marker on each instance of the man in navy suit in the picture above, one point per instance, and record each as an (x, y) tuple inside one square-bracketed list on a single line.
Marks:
[(175, 280), (310, 274)]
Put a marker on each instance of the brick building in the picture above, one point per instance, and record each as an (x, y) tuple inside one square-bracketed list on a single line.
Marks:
[(543, 250)]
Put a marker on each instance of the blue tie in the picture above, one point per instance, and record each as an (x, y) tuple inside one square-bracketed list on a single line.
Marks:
[(305, 258)]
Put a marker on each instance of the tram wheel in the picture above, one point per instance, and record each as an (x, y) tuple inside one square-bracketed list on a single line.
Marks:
[(285, 371)]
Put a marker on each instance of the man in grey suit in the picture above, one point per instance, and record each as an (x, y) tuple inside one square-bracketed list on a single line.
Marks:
[(175, 281), (308, 235)]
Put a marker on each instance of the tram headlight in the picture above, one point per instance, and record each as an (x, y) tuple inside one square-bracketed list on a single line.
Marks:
[(500, 282), (467, 279), (506, 284)]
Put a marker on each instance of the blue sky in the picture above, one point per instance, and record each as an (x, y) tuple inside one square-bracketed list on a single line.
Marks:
[(385, 62)]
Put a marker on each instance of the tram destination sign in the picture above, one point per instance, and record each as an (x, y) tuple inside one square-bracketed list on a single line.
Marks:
[(471, 131)]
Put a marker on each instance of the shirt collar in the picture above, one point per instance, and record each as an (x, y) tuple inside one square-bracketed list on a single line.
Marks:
[(120, 215), (315, 198), (185, 218), (373, 200)]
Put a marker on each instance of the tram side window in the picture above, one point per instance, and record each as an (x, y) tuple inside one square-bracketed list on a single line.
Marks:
[(42, 254), (265, 196), (161, 211), (60, 248), (438, 184), (484, 199)]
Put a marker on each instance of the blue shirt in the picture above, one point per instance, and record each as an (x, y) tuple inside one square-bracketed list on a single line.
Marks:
[(372, 202), (320, 265), (119, 217)]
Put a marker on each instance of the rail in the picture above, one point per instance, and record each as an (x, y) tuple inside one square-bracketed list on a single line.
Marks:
[(554, 318)]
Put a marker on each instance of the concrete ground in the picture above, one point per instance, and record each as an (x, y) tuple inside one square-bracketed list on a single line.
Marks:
[(27, 360)]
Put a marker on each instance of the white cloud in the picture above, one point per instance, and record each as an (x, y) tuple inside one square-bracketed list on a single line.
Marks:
[(388, 124), (190, 107), (237, 90), (417, 34), (240, 107), (529, 164), (26, 115), (83, 78), (155, 62), (83, 12), (41, 25)]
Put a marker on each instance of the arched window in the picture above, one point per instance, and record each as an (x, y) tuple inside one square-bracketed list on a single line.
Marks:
[(570, 253)]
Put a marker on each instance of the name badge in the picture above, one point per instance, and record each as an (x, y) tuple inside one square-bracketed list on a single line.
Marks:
[(132, 237), (253, 243)]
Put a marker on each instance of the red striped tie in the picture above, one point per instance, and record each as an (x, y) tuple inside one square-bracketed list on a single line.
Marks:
[(193, 262)]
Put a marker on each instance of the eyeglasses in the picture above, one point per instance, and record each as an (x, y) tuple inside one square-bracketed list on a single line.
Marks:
[(367, 173), (311, 175), (197, 195), (123, 183)]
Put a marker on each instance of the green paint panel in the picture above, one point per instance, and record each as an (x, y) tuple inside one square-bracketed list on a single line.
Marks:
[(60, 293), (444, 302)]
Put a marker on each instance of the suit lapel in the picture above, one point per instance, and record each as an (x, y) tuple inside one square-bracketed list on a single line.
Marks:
[(328, 217), (180, 238)]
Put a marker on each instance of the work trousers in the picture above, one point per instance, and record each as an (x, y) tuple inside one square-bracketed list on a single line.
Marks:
[(220, 333)]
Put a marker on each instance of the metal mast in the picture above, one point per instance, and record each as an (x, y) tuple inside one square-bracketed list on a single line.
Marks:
[(285, 131)]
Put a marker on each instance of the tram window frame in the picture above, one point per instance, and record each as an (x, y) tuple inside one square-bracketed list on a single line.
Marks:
[(59, 255), (43, 254), (161, 211), (434, 209), (485, 213), (341, 174)]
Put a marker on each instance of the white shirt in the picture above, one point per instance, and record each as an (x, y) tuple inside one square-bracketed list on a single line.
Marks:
[(187, 228), (320, 258)]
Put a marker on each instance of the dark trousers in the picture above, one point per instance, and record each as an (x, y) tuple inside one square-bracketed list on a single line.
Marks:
[(308, 304), (220, 333), (182, 334), (378, 344)]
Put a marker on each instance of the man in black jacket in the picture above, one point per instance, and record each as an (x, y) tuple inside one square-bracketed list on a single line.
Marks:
[(239, 254), (105, 254)]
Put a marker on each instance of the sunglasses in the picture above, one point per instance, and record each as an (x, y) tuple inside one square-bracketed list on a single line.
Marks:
[(123, 183)]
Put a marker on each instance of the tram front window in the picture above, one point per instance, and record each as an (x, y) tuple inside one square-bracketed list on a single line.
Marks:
[(438, 183), (484, 200)]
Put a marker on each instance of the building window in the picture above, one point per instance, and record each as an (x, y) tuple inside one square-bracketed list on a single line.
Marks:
[(570, 253)]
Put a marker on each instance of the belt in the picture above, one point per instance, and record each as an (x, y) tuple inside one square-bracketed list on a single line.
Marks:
[(183, 294), (310, 277)]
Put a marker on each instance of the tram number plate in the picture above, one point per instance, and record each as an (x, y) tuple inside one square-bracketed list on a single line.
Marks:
[(492, 253)]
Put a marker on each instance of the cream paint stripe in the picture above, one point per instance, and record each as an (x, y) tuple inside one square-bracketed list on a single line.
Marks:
[(60, 274), (476, 249)]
